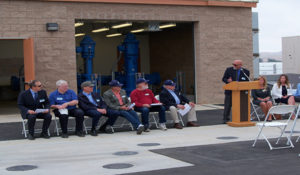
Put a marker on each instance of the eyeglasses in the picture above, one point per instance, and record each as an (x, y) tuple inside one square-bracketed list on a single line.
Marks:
[(234, 64), (39, 85)]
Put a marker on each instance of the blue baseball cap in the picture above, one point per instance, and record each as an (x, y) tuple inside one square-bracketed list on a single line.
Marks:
[(169, 83), (114, 83), (141, 80)]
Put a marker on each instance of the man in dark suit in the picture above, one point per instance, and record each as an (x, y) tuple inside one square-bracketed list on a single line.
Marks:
[(173, 101), (93, 106), (235, 73), (29, 101)]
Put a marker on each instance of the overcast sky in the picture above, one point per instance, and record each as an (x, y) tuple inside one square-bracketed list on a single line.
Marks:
[(277, 18)]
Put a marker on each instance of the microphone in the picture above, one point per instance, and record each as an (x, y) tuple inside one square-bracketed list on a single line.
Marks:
[(245, 74)]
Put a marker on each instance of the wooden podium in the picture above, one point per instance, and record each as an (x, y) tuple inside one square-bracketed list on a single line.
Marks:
[(241, 102)]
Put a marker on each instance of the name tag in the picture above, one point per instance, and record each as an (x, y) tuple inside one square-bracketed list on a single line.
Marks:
[(123, 96), (147, 94), (59, 98), (97, 100), (243, 78), (42, 100)]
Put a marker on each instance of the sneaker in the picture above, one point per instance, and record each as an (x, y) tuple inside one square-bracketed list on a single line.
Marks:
[(162, 126), (140, 129)]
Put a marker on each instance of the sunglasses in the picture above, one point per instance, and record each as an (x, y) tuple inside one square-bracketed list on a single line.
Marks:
[(235, 65)]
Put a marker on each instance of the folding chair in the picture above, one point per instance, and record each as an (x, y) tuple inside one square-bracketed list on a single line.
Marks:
[(57, 128), (123, 122), (282, 109), (25, 130), (254, 112), (294, 124)]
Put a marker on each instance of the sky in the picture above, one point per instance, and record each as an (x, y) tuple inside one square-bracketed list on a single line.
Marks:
[(277, 19)]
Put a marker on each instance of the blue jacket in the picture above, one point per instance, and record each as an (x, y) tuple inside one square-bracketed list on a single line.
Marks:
[(297, 94)]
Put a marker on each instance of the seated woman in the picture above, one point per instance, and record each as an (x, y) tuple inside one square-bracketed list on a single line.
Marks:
[(282, 91), (297, 94), (262, 96)]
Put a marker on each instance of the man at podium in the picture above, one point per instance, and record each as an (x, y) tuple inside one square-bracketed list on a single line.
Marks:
[(234, 73)]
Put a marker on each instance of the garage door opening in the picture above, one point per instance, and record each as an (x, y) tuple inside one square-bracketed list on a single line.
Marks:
[(165, 51), (11, 74)]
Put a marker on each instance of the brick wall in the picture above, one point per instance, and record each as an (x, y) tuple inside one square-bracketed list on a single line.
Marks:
[(221, 35)]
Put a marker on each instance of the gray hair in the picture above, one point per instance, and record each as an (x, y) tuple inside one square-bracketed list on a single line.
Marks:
[(61, 82)]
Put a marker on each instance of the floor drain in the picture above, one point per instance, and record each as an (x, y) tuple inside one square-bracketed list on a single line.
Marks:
[(21, 168), (227, 138), (148, 144), (290, 131), (125, 153), (118, 166)]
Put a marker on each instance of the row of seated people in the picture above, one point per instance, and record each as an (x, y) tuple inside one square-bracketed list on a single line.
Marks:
[(281, 93), (34, 103)]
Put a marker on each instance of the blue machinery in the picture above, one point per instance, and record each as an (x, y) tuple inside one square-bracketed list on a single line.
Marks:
[(130, 49)]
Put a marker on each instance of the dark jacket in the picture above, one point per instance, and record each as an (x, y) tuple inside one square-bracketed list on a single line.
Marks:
[(86, 105), (231, 72), (168, 100), (26, 102)]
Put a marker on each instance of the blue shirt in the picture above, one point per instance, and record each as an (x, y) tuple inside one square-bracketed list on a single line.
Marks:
[(174, 96), (90, 97), (33, 94), (57, 98)]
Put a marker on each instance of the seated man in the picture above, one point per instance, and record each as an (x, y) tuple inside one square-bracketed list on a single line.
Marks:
[(117, 100), (93, 106), (29, 101), (173, 100), (144, 100), (64, 101)]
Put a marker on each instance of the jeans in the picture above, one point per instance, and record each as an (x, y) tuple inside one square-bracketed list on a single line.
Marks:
[(63, 119), (145, 114), (32, 118), (131, 116)]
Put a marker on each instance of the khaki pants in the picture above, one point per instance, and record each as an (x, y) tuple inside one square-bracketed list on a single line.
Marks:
[(191, 115)]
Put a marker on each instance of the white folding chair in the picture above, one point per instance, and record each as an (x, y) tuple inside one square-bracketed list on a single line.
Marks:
[(282, 109), (121, 122), (57, 128), (254, 113), (294, 124), (25, 130)]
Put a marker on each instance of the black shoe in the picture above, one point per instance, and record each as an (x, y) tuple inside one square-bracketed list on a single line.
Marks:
[(93, 132), (108, 130), (79, 133), (30, 137), (64, 135), (45, 135)]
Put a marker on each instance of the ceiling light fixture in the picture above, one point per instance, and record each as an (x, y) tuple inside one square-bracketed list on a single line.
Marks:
[(122, 25), (113, 35), (100, 30), (79, 24), (137, 31), (79, 34), (163, 26)]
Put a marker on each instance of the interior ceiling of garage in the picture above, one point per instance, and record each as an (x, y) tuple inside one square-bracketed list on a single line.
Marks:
[(144, 26)]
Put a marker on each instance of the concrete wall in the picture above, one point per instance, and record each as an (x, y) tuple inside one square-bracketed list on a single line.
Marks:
[(291, 54), (222, 34)]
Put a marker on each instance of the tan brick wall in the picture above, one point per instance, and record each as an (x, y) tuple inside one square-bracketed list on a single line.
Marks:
[(221, 35)]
